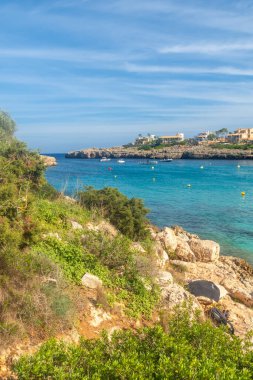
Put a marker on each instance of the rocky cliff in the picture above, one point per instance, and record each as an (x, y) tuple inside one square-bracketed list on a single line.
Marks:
[(175, 152), (49, 161)]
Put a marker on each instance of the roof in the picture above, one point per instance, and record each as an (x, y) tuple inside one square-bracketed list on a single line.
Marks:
[(170, 137)]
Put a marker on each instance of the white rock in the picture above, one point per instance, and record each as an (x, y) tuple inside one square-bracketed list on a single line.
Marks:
[(164, 279), (53, 235), (175, 294), (90, 281), (138, 247), (168, 238), (98, 316), (161, 254), (76, 226), (205, 250)]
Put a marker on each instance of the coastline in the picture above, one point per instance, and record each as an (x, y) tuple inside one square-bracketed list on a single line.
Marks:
[(174, 152)]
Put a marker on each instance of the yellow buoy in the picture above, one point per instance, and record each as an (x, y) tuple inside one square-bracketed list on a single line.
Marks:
[(243, 193)]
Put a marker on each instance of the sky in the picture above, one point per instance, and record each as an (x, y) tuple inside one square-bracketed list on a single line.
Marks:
[(84, 73)]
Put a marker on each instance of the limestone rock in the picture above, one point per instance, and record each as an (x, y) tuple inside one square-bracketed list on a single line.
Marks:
[(168, 238), (75, 225), (53, 235), (48, 161), (205, 250), (98, 316), (164, 278), (174, 295), (104, 227), (238, 291), (90, 281), (161, 255), (183, 251), (138, 247)]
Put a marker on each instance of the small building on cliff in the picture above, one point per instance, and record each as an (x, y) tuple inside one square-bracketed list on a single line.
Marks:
[(179, 137), (241, 135)]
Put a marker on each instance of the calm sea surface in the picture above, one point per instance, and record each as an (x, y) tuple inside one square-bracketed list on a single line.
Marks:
[(212, 207)]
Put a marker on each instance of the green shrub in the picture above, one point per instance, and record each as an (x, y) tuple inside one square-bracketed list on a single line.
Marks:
[(189, 351), (127, 215)]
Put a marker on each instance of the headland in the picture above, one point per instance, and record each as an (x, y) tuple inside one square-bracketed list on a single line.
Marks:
[(174, 152)]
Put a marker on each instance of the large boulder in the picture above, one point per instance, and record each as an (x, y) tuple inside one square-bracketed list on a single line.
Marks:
[(161, 255), (90, 281), (168, 239), (205, 250), (238, 291), (175, 295), (163, 279), (183, 251)]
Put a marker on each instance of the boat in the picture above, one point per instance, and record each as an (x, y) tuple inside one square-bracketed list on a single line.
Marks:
[(121, 161), (166, 160), (149, 162), (105, 159)]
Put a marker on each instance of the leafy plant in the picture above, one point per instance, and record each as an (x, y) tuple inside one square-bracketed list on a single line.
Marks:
[(127, 215), (190, 350)]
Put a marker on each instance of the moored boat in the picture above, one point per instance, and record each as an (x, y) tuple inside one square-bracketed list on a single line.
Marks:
[(104, 159)]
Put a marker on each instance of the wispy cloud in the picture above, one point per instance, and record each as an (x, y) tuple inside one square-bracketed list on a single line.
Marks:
[(208, 48), (233, 71)]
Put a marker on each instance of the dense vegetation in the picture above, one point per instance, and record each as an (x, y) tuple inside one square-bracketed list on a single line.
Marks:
[(190, 350), (42, 258), (127, 215)]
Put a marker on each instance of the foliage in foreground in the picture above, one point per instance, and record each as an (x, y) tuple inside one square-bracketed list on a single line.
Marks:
[(190, 350), (29, 304), (127, 215)]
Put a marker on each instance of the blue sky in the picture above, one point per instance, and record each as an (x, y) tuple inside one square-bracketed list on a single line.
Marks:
[(80, 73)]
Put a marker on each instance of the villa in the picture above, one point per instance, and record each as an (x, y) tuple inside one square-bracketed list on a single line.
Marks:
[(241, 134), (179, 137)]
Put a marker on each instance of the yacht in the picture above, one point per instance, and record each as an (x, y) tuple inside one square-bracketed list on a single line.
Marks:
[(166, 160), (105, 159)]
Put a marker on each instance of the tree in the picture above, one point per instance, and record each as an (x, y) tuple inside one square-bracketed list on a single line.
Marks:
[(7, 126), (127, 215), (211, 137), (222, 132)]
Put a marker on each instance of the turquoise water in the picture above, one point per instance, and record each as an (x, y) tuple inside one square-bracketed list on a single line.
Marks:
[(212, 207)]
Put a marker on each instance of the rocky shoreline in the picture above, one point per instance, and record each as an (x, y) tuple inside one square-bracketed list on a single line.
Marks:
[(175, 152), (48, 160)]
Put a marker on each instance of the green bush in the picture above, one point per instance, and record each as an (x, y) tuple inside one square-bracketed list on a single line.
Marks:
[(189, 351), (127, 215)]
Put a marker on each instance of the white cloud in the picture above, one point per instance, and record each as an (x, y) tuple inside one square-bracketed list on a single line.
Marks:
[(207, 48), (226, 70)]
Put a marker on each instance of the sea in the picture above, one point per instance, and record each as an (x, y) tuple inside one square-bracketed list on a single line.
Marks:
[(211, 198)]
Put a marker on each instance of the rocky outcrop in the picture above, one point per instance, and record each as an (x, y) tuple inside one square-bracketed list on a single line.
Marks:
[(90, 281), (75, 225), (204, 250), (175, 152), (234, 278), (103, 227), (185, 246), (48, 161)]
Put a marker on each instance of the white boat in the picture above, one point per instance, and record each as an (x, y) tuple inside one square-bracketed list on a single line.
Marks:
[(121, 161), (149, 162), (166, 160), (104, 159)]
